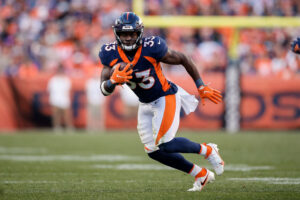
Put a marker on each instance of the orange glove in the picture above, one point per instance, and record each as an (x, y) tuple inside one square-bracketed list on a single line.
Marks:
[(207, 92), (121, 76)]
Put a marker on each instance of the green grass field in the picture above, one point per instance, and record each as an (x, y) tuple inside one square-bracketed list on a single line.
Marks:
[(43, 165)]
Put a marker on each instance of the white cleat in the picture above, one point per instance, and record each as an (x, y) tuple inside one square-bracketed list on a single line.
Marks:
[(202, 181), (215, 159)]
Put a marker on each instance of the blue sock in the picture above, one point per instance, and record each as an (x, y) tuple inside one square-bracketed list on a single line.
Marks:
[(180, 145), (174, 160)]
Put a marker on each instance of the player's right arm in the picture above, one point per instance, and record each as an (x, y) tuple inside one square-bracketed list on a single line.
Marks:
[(109, 82), (106, 86), (108, 59), (106, 56)]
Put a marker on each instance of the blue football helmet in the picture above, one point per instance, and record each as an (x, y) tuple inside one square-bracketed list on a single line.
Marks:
[(129, 22)]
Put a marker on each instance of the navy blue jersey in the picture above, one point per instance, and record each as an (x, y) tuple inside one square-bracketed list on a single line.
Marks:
[(148, 81)]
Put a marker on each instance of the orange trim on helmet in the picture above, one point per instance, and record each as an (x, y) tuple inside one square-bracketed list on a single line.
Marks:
[(168, 118), (113, 62), (162, 79), (136, 56)]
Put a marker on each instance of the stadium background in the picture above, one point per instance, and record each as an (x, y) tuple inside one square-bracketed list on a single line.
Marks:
[(242, 43)]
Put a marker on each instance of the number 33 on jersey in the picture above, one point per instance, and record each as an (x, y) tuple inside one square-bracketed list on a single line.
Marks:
[(148, 81)]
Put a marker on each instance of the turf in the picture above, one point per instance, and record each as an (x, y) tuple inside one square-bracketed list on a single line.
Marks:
[(43, 165)]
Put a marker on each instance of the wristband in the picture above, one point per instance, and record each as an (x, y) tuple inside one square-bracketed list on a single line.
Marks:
[(109, 86), (199, 82)]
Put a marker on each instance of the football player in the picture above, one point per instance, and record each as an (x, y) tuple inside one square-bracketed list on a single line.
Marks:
[(295, 46), (160, 99)]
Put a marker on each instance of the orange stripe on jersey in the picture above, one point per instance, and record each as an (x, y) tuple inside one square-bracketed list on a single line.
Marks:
[(167, 120), (127, 15), (136, 56), (113, 62), (162, 79)]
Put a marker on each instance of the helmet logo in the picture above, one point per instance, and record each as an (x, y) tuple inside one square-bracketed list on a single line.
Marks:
[(127, 27)]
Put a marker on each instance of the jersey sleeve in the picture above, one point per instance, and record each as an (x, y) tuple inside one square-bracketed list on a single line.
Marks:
[(106, 53), (159, 48)]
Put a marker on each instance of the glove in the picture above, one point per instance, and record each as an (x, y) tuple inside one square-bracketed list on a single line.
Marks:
[(295, 46), (121, 76), (207, 92)]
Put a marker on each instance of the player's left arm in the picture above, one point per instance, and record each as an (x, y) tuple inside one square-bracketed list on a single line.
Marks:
[(178, 58)]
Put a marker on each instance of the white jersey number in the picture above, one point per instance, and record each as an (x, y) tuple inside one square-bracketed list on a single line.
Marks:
[(110, 46), (147, 80), (149, 41)]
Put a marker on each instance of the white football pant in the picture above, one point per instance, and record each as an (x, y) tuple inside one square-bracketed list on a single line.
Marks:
[(158, 121)]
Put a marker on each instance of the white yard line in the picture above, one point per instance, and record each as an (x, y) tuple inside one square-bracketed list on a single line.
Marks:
[(266, 180), (243, 167), (28, 182), (270, 180), (133, 166), (56, 182), (89, 158), (22, 150)]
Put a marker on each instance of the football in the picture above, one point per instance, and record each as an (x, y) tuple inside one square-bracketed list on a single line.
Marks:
[(122, 66)]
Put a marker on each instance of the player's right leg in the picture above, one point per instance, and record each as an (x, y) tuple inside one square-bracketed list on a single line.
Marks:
[(183, 145)]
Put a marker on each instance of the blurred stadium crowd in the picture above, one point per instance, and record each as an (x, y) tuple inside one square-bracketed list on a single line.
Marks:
[(38, 35), (223, 7)]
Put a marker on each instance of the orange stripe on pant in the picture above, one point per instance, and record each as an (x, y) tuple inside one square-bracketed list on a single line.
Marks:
[(167, 120)]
